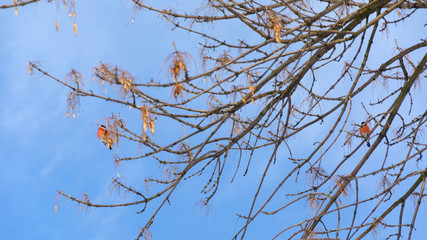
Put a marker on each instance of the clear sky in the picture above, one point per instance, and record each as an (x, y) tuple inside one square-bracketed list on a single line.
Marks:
[(43, 151)]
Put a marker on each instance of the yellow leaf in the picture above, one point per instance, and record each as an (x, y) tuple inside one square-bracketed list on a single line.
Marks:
[(133, 21), (74, 115), (276, 27), (56, 209), (278, 37), (68, 114), (75, 28), (252, 89), (130, 107), (16, 7), (152, 127)]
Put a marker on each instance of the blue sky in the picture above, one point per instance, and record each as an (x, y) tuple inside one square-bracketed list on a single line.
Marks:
[(44, 151)]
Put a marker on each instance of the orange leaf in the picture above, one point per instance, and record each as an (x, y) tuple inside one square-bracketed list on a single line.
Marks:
[(75, 28), (57, 26)]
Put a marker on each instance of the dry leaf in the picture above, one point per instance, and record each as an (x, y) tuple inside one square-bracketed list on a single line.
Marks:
[(152, 126), (177, 90), (16, 7), (75, 29)]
